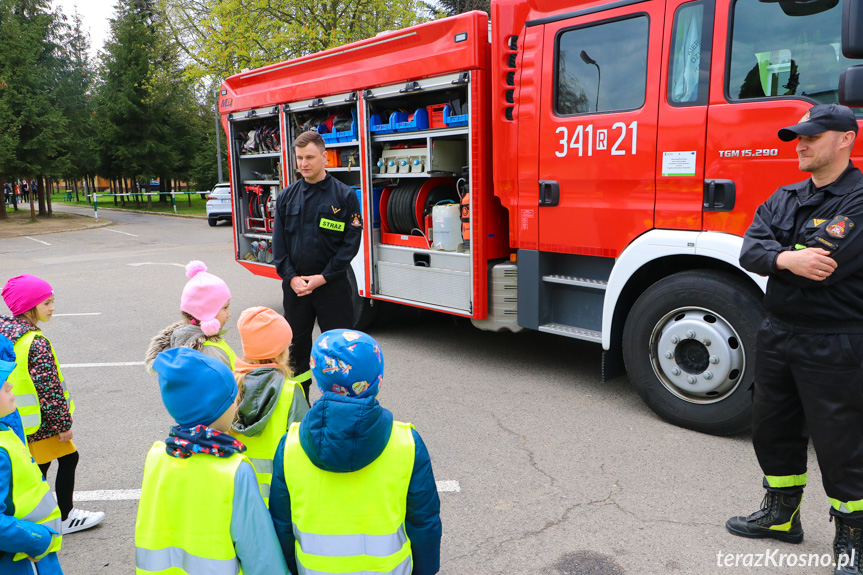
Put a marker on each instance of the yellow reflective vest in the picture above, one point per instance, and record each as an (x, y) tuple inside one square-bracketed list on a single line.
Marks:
[(351, 522), (184, 515), (261, 449), (31, 494), (26, 398), (223, 345)]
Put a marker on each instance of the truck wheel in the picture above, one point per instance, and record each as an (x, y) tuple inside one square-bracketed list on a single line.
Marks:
[(364, 310), (689, 349)]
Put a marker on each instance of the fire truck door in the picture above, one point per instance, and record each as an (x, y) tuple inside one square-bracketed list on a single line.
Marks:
[(598, 128), (680, 186)]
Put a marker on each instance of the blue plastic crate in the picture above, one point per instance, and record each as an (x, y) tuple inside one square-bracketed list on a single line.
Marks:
[(346, 136), (377, 126), (453, 121), (420, 121)]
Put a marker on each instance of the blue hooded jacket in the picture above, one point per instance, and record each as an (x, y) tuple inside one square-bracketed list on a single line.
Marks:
[(17, 536), (344, 434)]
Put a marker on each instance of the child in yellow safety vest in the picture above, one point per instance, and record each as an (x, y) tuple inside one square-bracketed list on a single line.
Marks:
[(29, 517), (353, 490), (43, 401), (200, 509), (205, 305), (269, 400)]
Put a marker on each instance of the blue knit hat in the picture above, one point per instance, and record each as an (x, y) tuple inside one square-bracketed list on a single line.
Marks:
[(348, 363), (7, 358), (196, 389)]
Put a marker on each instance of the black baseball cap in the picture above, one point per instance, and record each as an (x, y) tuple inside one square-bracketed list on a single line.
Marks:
[(821, 118)]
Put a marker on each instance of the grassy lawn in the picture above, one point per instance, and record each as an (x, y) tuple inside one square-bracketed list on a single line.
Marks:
[(198, 206)]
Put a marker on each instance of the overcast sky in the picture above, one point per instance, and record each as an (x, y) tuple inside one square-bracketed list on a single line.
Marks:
[(95, 14)]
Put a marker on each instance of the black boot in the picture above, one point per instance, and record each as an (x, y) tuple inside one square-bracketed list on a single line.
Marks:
[(778, 518), (847, 544)]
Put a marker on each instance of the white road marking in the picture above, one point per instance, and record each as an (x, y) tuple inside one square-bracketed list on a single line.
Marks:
[(156, 264), (449, 485), (71, 314), (108, 495), (119, 232), (115, 364), (35, 240), (134, 494)]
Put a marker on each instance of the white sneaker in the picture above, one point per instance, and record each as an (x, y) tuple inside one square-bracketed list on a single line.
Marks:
[(79, 520)]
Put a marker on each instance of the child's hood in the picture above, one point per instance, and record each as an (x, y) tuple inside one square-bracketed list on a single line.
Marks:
[(13, 328), (262, 388), (178, 334), (343, 434)]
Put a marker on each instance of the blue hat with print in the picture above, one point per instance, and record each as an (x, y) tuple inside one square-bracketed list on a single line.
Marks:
[(7, 358), (196, 389), (348, 362)]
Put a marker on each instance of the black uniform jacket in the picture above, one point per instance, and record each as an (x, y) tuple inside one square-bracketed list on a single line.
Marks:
[(831, 218), (317, 230)]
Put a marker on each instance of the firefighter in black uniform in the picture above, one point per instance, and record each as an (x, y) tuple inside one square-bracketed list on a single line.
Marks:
[(317, 232), (808, 239)]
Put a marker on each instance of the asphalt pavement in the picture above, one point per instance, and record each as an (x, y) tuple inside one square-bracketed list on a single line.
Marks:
[(557, 472)]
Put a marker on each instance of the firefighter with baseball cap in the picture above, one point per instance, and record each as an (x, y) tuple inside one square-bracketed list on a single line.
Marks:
[(807, 238)]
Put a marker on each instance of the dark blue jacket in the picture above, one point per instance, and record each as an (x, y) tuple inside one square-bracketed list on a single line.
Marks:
[(342, 434)]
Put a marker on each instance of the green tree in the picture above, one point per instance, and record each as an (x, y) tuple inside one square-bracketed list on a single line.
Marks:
[(127, 131), (453, 7), (223, 37), (28, 68), (76, 80)]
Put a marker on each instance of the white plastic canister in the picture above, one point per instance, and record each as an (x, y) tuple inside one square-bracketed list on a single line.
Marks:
[(446, 226)]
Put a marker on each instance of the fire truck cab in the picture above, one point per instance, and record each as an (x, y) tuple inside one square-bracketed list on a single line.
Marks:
[(585, 169)]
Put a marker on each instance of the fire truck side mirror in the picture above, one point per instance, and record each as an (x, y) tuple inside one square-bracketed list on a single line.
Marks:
[(851, 86), (852, 29)]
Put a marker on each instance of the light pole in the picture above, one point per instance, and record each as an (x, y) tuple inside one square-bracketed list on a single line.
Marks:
[(218, 137), (588, 60)]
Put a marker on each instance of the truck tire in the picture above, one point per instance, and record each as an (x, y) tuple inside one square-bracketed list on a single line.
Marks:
[(689, 349), (365, 311)]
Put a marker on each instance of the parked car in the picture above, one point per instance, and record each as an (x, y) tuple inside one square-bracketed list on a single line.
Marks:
[(219, 204)]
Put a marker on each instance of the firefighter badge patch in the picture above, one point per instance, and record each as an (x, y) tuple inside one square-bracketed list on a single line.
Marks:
[(839, 227), (805, 118), (356, 221)]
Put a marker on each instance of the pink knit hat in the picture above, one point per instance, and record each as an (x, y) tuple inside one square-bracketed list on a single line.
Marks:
[(204, 296), (23, 293), (265, 333)]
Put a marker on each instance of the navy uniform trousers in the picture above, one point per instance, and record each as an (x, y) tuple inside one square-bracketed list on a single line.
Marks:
[(810, 384)]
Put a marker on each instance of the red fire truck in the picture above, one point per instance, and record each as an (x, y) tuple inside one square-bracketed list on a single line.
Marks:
[(581, 168)]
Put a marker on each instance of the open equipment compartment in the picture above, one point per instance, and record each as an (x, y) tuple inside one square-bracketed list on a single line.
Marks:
[(419, 171), (336, 119), (256, 154)]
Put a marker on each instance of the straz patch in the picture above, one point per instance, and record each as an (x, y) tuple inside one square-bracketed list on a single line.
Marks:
[(356, 221), (839, 227), (827, 244), (332, 225)]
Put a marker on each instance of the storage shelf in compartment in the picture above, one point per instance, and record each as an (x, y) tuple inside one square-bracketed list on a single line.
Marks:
[(421, 134), (413, 175), (342, 144), (264, 155), (354, 169), (257, 236), (262, 182)]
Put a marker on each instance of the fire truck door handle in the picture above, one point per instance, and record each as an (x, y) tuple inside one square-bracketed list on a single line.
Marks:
[(719, 195), (549, 193)]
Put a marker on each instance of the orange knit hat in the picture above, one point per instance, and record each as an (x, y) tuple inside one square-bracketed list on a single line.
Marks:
[(265, 334)]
